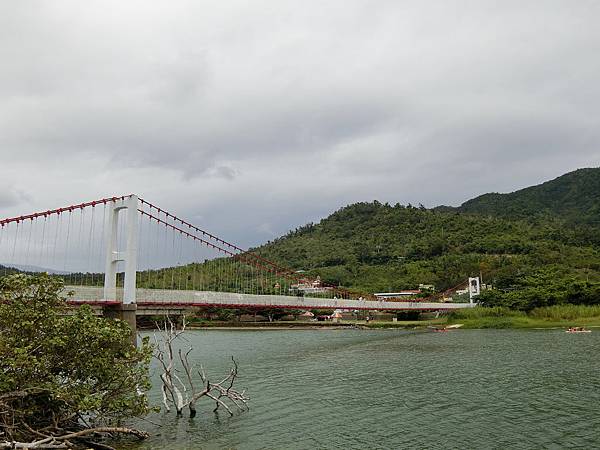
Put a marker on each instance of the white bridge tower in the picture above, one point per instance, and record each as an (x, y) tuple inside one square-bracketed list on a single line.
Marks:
[(474, 288), (123, 208)]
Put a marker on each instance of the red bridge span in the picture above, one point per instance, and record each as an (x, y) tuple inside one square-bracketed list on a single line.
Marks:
[(157, 299), (129, 254)]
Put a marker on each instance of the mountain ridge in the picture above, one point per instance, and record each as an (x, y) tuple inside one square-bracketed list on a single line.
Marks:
[(543, 235), (574, 196)]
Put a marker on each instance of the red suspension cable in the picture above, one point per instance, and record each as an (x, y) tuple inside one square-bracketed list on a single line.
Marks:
[(58, 211), (275, 268), (199, 239)]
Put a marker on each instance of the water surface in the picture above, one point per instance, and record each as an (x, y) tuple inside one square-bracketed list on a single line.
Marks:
[(357, 389)]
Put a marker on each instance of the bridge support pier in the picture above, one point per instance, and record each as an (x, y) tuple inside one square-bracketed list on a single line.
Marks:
[(126, 313)]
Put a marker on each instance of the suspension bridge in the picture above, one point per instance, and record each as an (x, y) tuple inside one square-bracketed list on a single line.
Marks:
[(131, 257)]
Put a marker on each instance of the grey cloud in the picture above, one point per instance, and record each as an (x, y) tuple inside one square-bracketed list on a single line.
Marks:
[(10, 197), (279, 113)]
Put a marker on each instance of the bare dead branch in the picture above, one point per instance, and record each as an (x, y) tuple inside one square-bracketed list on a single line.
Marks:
[(184, 392), (57, 442)]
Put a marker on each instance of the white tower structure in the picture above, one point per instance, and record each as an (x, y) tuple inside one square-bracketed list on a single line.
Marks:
[(474, 288), (127, 206)]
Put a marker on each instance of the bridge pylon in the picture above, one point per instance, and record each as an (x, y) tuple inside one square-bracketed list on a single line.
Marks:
[(474, 288), (124, 208)]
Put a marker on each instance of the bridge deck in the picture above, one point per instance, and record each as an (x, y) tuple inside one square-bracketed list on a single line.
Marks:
[(163, 298)]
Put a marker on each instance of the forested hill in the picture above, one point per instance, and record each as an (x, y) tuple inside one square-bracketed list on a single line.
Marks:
[(574, 196), (380, 247)]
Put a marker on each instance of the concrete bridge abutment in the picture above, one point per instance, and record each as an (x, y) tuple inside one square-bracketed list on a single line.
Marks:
[(125, 312)]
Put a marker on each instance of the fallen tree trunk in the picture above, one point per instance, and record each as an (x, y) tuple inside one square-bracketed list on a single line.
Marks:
[(51, 442)]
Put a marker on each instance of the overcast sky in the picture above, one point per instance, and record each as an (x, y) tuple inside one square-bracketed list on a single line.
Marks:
[(251, 118)]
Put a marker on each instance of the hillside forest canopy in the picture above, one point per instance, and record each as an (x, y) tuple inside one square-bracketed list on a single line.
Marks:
[(546, 252)]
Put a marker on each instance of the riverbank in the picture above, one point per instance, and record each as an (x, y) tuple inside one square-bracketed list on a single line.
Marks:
[(306, 325), (559, 316), (214, 324), (524, 323)]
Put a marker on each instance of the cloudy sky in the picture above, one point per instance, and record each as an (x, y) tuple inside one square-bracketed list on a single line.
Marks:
[(251, 118)]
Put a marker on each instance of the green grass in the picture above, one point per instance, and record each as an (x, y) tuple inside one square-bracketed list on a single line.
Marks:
[(566, 312), (559, 316), (481, 313)]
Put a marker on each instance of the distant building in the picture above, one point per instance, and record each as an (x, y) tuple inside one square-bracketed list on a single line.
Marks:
[(307, 286)]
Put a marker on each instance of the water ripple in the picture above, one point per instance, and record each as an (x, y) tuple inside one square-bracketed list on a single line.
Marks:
[(394, 389)]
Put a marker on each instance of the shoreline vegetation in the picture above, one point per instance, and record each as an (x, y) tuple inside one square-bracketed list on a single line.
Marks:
[(557, 316)]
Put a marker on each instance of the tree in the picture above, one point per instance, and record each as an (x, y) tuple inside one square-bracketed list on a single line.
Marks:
[(64, 376), (274, 313)]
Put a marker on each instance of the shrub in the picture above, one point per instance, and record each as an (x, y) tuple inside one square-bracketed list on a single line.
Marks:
[(57, 369)]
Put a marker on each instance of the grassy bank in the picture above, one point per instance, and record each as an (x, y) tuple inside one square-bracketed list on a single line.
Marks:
[(404, 324), (558, 316), (195, 323)]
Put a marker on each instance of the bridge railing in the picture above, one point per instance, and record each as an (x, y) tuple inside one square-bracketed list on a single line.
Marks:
[(156, 298)]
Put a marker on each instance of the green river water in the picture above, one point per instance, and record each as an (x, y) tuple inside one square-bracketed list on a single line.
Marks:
[(390, 389)]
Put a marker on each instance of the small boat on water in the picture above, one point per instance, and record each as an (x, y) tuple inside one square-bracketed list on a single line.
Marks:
[(445, 329), (578, 330), (438, 329)]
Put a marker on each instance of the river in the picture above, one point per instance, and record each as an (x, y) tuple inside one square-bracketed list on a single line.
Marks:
[(356, 389)]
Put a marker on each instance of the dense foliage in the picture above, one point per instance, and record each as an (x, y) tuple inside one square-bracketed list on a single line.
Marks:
[(62, 371), (532, 259), (573, 196)]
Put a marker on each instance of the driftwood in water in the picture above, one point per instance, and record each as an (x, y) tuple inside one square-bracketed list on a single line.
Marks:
[(63, 440), (186, 393)]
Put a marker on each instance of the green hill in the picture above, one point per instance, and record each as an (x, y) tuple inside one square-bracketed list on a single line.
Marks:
[(542, 238), (574, 196)]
